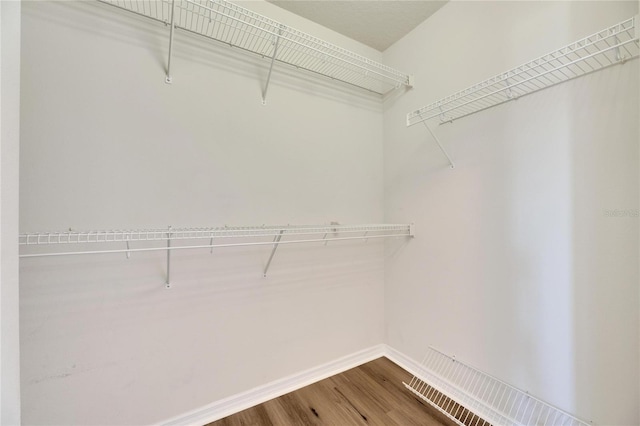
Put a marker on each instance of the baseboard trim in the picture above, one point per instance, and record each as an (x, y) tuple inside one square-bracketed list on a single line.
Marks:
[(260, 394), (242, 401), (403, 361)]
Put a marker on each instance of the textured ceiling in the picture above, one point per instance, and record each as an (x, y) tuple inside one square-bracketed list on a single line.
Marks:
[(376, 23)]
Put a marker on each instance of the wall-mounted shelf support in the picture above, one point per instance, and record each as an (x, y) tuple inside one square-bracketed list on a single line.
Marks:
[(168, 282), (236, 26), (608, 47), (168, 78), (451, 164), (276, 240), (273, 59), (43, 244)]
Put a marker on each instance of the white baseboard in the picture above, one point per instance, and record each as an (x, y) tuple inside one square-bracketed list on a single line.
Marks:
[(260, 394), (255, 396), (408, 364)]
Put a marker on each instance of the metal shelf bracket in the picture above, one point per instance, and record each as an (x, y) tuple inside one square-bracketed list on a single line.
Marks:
[(276, 241), (168, 282), (451, 164), (273, 59), (168, 78)]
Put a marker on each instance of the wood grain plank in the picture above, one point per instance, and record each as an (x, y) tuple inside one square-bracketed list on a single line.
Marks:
[(369, 395), (329, 405)]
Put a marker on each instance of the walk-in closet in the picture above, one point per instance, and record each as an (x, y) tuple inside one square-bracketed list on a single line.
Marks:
[(306, 212)]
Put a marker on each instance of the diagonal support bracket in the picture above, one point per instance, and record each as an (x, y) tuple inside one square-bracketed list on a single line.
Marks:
[(273, 59), (451, 164), (276, 240)]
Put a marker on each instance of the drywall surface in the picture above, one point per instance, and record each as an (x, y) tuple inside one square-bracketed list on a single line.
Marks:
[(106, 144), (526, 257), (9, 164)]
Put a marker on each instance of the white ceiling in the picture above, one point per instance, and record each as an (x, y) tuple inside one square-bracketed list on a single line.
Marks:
[(376, 23)]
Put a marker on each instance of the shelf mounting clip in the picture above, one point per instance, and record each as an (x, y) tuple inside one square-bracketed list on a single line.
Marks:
[(510, 94)]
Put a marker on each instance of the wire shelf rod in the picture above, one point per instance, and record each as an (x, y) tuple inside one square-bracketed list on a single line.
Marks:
[(171, 248), (605, 48), (73, 237), (235, 26), (543, 74), (300, 67), (341, 62), (300, 234), (326, 52), (186, 233), (317, 72)]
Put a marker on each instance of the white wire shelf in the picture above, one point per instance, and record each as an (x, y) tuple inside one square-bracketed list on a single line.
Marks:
[(610, 46), (122, 236), (236, 26), (120, 241), (467, 395)]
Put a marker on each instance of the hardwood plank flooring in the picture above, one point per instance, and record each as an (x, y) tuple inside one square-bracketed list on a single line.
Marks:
[(371, 394)]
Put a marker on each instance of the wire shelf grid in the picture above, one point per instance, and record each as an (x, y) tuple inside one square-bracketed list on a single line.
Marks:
[(605, 48), (239, 236), (464, 393), (188, 239), (236, 26), (115, 236)]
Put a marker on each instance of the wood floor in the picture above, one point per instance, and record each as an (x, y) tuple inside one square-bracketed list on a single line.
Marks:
[(371, 394)]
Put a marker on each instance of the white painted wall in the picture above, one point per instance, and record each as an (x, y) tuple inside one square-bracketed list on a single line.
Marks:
[(107, 144), (9, 165), (517, 270)]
